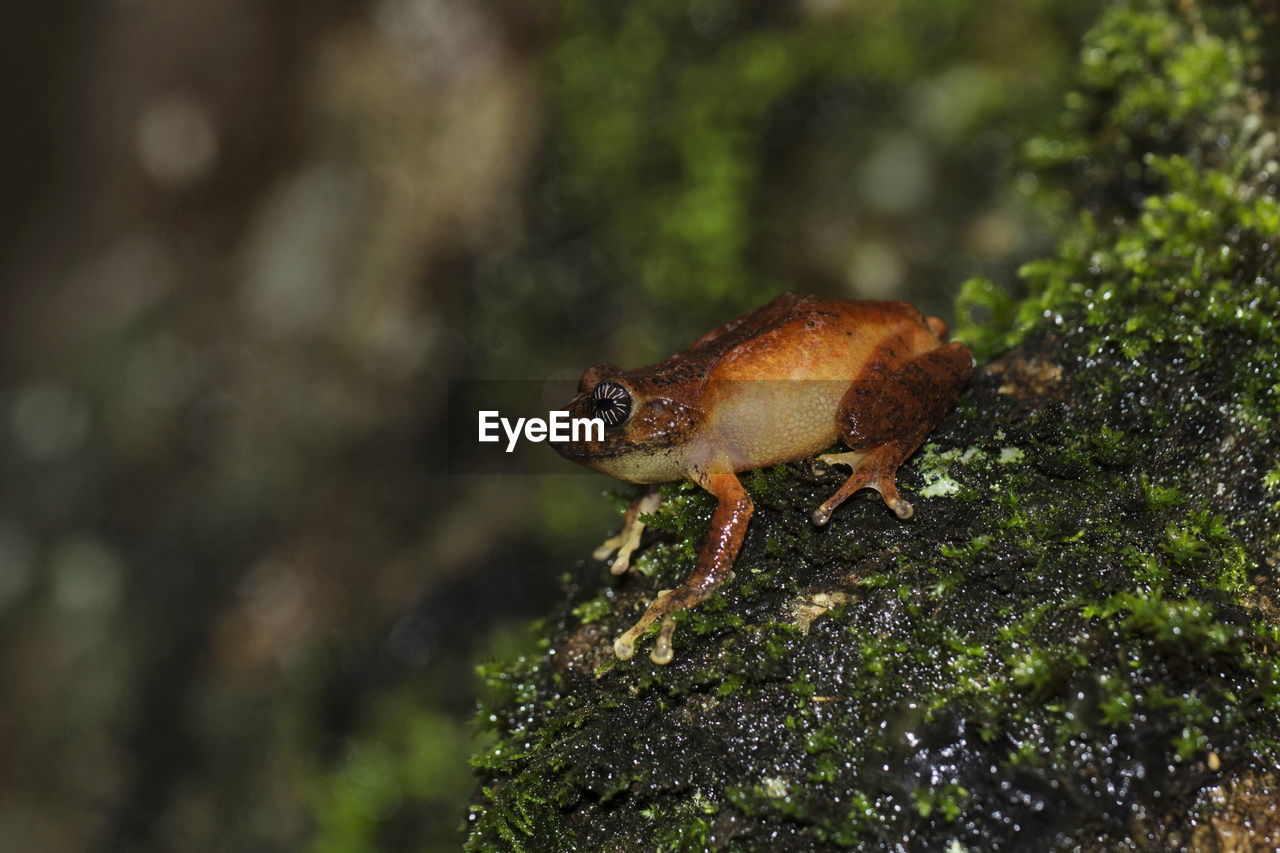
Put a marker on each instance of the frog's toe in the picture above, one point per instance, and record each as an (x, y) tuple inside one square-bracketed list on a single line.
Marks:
[(623, 648), (888, 489), (606, 549), (822, 514), (663, 653), (623, 562), (628, 548), (850, 458), (624, 544)]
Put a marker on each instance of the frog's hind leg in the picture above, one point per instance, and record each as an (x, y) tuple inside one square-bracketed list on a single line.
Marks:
[(886, 415), (628, 538), (715, 564)]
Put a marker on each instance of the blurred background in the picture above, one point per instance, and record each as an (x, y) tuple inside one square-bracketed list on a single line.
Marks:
[(245, 246)]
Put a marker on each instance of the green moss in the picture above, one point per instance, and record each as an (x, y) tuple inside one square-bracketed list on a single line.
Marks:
[(590, 611), (948, 800), (1078, 606), (1161, 498), (985, 318)]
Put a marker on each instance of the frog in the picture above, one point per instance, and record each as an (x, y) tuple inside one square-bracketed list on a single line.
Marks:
[(781, 383)]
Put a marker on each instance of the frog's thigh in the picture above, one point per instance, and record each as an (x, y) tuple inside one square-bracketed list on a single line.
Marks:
[(886, 415), (901, 404)]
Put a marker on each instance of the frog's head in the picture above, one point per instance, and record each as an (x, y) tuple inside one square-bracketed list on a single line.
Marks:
[(646, 433)]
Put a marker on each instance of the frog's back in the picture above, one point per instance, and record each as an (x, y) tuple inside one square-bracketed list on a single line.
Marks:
[(810, 337)]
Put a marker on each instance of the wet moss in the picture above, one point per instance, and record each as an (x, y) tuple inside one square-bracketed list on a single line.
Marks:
[(1073, 642)]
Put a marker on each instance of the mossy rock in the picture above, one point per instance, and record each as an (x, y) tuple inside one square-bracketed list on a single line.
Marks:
[(1074, 643)]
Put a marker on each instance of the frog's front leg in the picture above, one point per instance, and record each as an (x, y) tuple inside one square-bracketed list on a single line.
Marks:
[(628, 538), (715, 564), (886, 415)]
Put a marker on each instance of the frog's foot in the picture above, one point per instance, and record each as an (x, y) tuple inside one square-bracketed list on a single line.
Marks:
[(625, 646), (625, 543), (664, 607), (875, 470), (628, 539)]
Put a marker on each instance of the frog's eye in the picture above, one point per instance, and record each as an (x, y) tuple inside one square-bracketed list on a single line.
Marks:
[(611, 403)]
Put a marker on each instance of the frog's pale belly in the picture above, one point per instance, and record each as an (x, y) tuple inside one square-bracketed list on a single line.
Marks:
[(768, 421)]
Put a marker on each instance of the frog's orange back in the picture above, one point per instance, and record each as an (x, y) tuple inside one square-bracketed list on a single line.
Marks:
[(814, 338)]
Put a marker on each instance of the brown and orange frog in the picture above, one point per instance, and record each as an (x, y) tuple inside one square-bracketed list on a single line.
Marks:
[(780, 383)]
